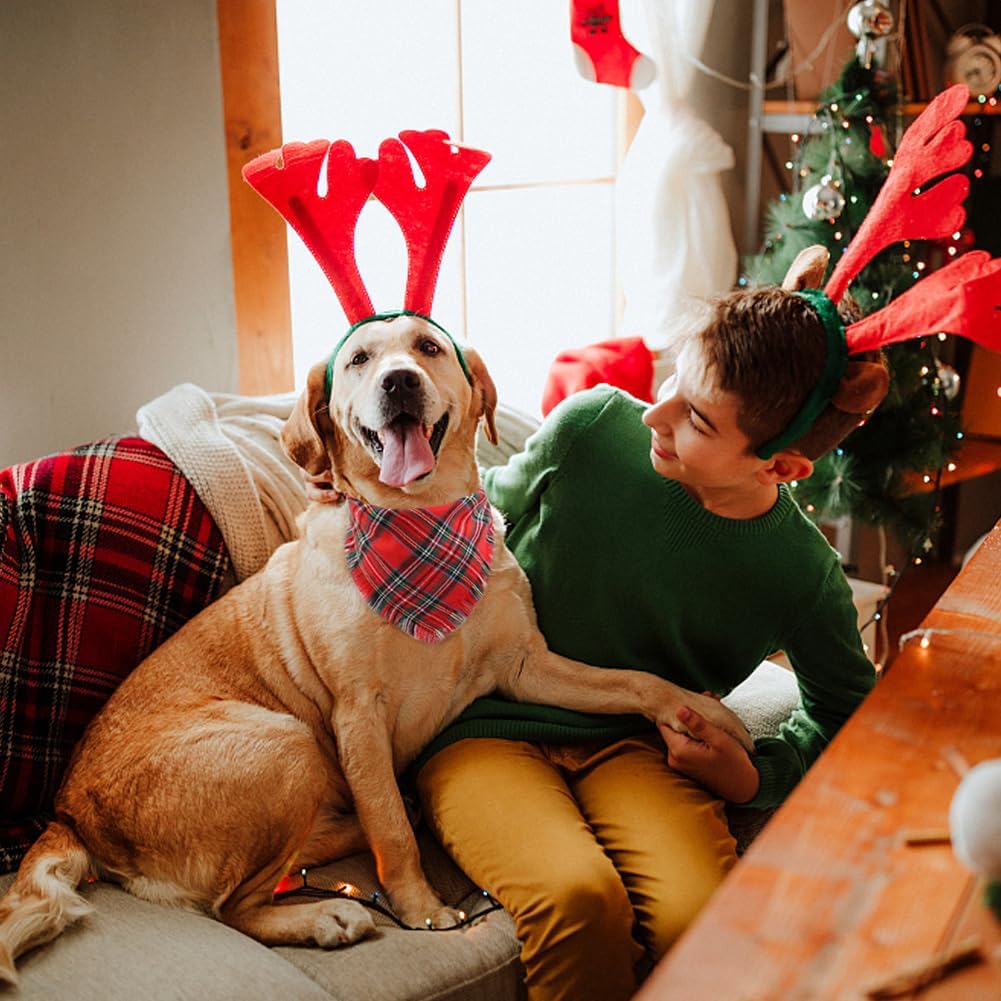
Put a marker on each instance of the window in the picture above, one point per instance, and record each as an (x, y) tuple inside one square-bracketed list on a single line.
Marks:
[(529, 269)]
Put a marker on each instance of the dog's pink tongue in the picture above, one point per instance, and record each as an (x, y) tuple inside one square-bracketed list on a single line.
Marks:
[(406, 454)]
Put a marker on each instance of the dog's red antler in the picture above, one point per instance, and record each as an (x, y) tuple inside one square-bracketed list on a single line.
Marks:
[(425, 214), (932, 146), (962, 298), (289, 178)]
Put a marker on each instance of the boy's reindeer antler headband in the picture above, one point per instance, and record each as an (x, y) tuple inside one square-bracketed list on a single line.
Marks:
[(290, 179), (962, 298)]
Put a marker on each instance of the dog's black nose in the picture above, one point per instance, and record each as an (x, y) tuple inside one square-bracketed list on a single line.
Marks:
[(400, 381)]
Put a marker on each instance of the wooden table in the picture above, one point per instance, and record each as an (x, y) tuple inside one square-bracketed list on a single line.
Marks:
[(830, 898)]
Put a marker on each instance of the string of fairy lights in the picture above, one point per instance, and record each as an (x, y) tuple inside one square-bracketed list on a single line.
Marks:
[(478, 904)]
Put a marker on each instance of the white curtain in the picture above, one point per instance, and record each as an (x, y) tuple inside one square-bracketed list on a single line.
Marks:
[(673, 233)]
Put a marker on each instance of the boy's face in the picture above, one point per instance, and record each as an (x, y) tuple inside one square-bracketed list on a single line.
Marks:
[(695, 437)]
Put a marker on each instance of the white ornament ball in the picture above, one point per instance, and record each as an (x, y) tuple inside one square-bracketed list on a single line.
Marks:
[(823, 202), (975, 819), (950, 380), (870, 19)]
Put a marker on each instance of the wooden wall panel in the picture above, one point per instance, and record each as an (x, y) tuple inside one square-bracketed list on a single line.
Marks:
[(982, 394), (248, 48)]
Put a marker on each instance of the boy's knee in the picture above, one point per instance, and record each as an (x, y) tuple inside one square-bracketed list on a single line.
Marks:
[(576, 934), (674, 908), (583, 903)]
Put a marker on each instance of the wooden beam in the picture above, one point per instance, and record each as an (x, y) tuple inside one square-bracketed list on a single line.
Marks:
[(630, 114), (982, 394), (248, 50)]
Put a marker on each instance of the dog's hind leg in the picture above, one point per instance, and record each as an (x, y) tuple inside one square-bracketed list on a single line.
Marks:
[(333, 836), (327, 923), (297, 808)]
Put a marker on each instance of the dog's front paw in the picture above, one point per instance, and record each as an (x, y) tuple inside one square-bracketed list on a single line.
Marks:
[(444, 917), (425, 910), (341, 922)]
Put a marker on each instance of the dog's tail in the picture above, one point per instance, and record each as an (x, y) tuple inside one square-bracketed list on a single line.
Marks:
[(43, 899)]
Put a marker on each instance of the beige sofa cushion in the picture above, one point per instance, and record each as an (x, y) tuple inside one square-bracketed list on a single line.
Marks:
[(129, 950)]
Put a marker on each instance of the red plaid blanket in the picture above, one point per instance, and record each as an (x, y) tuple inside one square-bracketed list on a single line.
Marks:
[(106, 551), (422, 568)]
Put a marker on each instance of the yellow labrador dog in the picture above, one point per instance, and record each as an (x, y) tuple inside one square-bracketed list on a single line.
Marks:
[(273, 725)]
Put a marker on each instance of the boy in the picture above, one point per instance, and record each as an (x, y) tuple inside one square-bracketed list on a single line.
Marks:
[(657, 539)]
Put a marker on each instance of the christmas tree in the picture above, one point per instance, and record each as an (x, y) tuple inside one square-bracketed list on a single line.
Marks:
[(886, 473)]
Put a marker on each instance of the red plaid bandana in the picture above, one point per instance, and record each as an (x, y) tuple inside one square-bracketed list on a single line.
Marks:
[(422, 569)]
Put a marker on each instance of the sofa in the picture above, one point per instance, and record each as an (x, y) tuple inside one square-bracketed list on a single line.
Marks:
[(135, 950), (132, 950)]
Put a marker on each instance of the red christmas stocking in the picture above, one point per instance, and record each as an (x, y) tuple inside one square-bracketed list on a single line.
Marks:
[(601, 51)]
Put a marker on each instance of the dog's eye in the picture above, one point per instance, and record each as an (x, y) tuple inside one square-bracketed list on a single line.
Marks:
[(430, 347), (359, 358)]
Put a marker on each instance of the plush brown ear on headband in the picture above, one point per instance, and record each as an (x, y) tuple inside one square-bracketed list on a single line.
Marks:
[(862, 387), (808, 270)]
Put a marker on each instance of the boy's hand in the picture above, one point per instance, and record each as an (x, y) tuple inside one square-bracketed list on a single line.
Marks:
[(712, 757)]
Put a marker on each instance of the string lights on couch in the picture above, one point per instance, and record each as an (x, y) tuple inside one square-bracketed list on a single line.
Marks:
[(482, 902)]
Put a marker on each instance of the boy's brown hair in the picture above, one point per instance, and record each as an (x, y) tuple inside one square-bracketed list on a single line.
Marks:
[(768, 347)]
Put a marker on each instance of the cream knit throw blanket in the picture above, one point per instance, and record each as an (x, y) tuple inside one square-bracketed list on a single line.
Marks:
[(227, 446)]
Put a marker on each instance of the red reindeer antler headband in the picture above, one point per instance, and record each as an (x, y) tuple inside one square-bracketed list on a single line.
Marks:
[(962, 298), (290, 180)]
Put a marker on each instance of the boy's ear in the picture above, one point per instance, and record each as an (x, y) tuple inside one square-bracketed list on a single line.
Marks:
[(786, 466)]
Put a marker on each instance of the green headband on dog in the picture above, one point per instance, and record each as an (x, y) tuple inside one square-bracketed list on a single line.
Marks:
[(329, 379), (830, 378)]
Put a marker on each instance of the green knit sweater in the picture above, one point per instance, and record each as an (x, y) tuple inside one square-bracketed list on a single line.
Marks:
[(629, 571)]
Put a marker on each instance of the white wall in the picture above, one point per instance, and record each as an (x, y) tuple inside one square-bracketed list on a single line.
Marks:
[(115, 271), (725, 107)]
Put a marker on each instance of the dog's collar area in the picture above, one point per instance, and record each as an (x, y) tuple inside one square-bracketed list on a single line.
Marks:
[(422, 569), (392, 315)]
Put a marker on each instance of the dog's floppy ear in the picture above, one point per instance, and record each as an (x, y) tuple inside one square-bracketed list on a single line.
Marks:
[(309, 433), (484, 392), (807, 270)]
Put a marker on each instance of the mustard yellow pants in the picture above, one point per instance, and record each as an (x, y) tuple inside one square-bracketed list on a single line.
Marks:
[(603, 855)]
